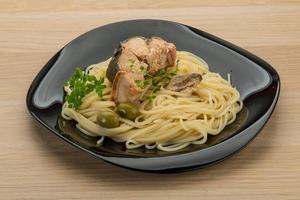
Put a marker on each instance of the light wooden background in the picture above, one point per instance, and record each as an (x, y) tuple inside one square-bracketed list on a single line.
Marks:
[(35, 164)]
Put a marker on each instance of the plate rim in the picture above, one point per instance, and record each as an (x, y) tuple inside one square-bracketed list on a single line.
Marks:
[(260, 62)]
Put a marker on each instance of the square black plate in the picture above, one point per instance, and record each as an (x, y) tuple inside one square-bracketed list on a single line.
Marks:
[(257, 82)]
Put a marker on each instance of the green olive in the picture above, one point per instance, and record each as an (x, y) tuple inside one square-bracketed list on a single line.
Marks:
[(128, 110), (108, 119)]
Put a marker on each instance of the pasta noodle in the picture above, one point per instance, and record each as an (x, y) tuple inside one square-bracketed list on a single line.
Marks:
[(172, 120)]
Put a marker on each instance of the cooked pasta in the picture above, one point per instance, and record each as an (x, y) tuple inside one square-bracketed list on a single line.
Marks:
[(171, 120)]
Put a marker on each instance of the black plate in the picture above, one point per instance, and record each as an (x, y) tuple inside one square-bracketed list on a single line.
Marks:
[(257, 82)]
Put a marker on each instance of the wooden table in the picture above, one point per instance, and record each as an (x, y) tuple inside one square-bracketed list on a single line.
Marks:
[(35, 164)]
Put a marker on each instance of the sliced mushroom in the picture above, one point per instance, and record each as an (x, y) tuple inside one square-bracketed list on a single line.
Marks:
[(124, 88), (183, 82)]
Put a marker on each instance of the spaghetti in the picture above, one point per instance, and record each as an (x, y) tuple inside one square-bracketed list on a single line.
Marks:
[(171, 120)]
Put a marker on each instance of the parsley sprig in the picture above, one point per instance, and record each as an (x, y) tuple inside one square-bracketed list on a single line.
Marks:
[(80, 85)]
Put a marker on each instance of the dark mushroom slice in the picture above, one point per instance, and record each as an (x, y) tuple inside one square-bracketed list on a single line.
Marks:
[(184, 81), (124, 88)]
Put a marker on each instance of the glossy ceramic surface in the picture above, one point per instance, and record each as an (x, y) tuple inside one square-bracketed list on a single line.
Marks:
[(257, 82)]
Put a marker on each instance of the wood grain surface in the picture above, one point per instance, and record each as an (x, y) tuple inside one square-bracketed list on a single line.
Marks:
[(35, 164)]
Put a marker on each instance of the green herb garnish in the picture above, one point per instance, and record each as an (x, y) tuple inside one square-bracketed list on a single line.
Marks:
[(160, 79), (151, 97), (140, 84), (131, 62), (80, 85)]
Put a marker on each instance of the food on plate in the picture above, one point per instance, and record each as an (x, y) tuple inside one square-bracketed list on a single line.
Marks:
[(150, 94)]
